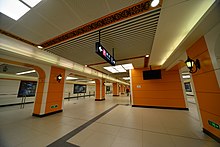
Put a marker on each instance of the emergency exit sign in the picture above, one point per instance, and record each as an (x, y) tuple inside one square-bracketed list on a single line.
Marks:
[(213, 124), (54, 106)]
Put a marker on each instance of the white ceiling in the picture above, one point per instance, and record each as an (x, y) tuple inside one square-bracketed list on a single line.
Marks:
[(157, 33)]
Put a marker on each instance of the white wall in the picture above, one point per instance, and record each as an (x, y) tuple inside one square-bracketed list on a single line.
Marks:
[(69, 89), (9, 91)]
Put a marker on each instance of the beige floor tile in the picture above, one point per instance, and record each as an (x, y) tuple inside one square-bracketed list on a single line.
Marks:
[(98, 139), (130, 134), (126, 142), (81, 137), (124, 126), (188, 142), (104, 128), (151, 139)]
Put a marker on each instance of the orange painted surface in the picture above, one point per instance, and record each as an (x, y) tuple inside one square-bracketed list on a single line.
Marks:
[(115, 89), (206, 86), (55, 90), (103, 90), (97, 88), (165, 92)]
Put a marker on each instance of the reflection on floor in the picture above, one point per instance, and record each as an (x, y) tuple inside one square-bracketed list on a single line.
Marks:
[(123, 126)]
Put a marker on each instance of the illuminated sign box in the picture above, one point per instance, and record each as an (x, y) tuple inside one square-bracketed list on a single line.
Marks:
[(213, 124), (101, 51)]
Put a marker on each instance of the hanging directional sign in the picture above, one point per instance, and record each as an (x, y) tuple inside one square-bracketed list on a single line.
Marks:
[(101, 51)]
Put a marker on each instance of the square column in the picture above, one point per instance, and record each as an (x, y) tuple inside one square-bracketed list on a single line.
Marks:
[(100, 90), (115, 89)]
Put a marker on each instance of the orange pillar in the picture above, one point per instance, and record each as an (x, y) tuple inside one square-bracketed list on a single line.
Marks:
[(100, 90), (51, 92), (115, 89), (206, 88)]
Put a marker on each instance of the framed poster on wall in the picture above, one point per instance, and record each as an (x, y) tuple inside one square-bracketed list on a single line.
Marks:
[(27, 89), (79, 88)]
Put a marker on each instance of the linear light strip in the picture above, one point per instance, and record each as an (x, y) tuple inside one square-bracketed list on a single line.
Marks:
[(25, 72)]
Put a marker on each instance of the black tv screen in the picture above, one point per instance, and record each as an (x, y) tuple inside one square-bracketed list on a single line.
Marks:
[(152, 74), (79, 88), (27, 89)]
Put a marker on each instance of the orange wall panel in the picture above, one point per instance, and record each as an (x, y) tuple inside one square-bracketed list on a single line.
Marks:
[(206, 82), (115, 89), (206, 86), (212, 117), (40, 90), (165, 92), (97, 88), (197, 48), (209, 102), (176, 103), (55, 90)]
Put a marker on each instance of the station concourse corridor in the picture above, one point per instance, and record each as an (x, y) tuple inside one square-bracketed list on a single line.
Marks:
[(109, 73), (122, 126)]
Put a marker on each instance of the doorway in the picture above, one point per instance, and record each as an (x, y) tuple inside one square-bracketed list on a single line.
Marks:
[(190, 95)]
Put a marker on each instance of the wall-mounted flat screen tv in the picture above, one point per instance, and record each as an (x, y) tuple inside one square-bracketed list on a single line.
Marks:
[(152, 74), (27, 89), (79, 88)]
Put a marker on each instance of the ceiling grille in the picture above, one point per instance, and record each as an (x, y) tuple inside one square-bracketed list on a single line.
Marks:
[(129, 38)]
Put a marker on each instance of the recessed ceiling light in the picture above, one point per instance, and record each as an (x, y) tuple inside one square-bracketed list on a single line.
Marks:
[(128, 66), (154, 3), (91, 82), (119, 68), (13, 8), (71, 78), (39, 47), (110, 69), (31, 3), (126, 78), (25, 72)]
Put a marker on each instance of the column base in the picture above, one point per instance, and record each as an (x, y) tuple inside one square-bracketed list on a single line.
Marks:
[(43, 115), (100, 99), (216, 138)]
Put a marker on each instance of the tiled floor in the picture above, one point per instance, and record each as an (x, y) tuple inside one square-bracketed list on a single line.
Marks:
[(123, 126)]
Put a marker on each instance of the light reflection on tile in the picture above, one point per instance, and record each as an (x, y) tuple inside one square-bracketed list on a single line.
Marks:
[(123, 126)]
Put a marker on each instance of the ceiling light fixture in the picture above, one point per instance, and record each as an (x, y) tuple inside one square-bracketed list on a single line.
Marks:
[(31, 3), (147, 56), (119, 68), (13, 8), (71, 78), (40, 47), (126, 78), (154, 3), (25, 72), (128, 66)]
